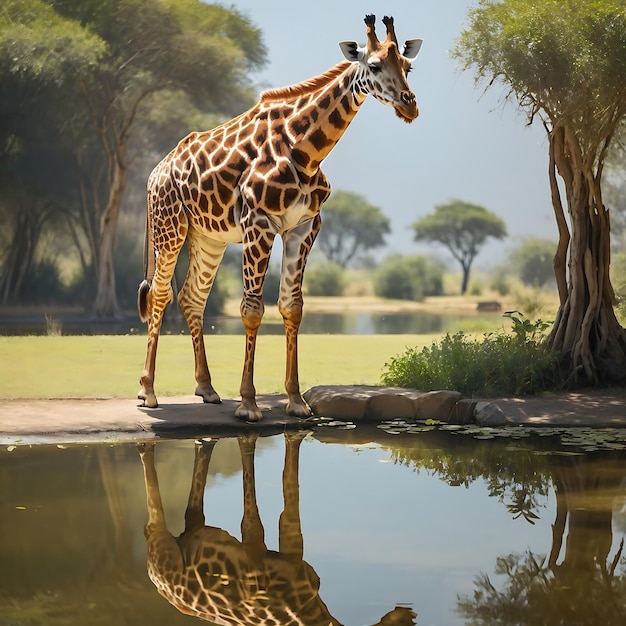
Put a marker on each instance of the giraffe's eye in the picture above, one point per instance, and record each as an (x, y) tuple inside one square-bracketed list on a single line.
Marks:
[(375, 68), (409, 69)]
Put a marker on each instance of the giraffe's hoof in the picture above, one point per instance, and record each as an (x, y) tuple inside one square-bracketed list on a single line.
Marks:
[(208, 394), (249, 411), (149, 399), (298, 408), (145, 448)]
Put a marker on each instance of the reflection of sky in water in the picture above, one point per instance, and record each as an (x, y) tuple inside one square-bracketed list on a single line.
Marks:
[(378, 533)]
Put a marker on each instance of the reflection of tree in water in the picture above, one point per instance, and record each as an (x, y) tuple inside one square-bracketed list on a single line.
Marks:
[(517, 478), (580, 581)]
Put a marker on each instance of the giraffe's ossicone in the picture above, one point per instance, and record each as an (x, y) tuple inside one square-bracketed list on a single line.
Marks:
[(247, 181), (208, 573)]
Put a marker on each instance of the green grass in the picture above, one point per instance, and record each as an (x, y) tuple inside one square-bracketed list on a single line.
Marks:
[(110, 366)]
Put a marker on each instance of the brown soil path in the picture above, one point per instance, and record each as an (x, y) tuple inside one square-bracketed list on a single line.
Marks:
[(75, 420)]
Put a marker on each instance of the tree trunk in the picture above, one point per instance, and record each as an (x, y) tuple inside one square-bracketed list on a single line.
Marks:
[(466, 275), (586, 332), (26, 229), (105, 305)]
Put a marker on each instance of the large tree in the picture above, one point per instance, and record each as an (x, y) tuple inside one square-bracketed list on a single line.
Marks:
[(39, 51), (565, 64), (152, 47), (350, 226), (461, 227)]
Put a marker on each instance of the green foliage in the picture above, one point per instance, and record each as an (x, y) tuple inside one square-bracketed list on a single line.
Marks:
[(618, 277), (532, 260), (271, 286), (502, 363), (350, 226), (408, 278), (501, 284), (93, 84), (325, 279), (37, 44), (566, 58), (461, 227), (42, 284)]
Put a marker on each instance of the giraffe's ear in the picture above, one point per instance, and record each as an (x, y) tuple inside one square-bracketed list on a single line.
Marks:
[(351, 50), (411, 48)]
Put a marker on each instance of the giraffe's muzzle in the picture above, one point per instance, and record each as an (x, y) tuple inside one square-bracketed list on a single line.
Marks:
[(407, 109)]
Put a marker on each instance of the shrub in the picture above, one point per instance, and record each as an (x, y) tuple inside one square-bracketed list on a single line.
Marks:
[(327, 279), (271, 286), (533, 261), (500, 284), (408, 278), (42, 284), (502, 363)]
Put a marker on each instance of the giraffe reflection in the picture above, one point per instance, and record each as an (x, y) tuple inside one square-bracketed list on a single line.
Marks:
[(208, 573)]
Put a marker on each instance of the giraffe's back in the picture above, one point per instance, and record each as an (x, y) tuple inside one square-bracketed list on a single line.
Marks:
[(243, 167)]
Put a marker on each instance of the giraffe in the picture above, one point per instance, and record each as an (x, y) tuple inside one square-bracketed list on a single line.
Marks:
[(209, 574), (248, 180)]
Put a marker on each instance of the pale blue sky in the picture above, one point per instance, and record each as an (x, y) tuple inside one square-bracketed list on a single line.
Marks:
[(465, 144)]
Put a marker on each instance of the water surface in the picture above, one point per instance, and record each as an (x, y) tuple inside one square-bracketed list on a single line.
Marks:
[(349, 524)]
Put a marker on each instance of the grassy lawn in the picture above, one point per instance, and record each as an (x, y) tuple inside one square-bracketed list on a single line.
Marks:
[(110, 366)]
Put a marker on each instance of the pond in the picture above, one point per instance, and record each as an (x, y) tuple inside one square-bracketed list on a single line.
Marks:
[(342, 525), (354, 323)]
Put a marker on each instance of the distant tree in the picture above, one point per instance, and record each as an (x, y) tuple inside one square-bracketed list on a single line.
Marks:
[(350, 226), (39, 51), (463, 229), (565, 64), (408, 278), (532, 261), (614, 189), (147, 51)]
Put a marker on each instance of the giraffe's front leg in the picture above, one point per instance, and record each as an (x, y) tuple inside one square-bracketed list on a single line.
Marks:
[(258, 238), (252, 310), (297, 244)]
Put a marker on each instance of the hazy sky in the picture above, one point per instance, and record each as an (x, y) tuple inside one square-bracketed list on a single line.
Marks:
[(465, 144)]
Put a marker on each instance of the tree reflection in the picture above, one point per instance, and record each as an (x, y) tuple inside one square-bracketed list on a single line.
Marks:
[(518, 478), (579, 581)]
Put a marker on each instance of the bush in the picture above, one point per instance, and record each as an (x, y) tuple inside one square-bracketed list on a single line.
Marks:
[(408, 278), (271, 286), (327, 279), (42, 284), (533, 261), (513, 363), (500, 284)]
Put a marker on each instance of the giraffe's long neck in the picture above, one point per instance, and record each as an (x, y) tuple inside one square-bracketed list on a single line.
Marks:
[(318, 112)]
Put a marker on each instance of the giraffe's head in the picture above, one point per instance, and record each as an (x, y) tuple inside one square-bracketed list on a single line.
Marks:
[(384, 68)]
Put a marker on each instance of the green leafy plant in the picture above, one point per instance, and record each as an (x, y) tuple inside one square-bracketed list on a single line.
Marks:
[(501, 363), (325, 279)]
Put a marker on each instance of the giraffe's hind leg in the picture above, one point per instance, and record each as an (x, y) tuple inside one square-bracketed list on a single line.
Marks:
[(159, 294), (205, 255)]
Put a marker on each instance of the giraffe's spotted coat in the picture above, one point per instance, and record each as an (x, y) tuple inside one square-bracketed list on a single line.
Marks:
[(247, 181)]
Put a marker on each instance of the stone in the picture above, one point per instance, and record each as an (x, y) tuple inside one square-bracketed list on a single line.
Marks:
[(462, 412), (436, 405), (362, 402), (387, 406), (489, 414)]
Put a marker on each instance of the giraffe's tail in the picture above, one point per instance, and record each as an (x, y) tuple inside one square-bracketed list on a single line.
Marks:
[(143, 295), (142, 300)]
